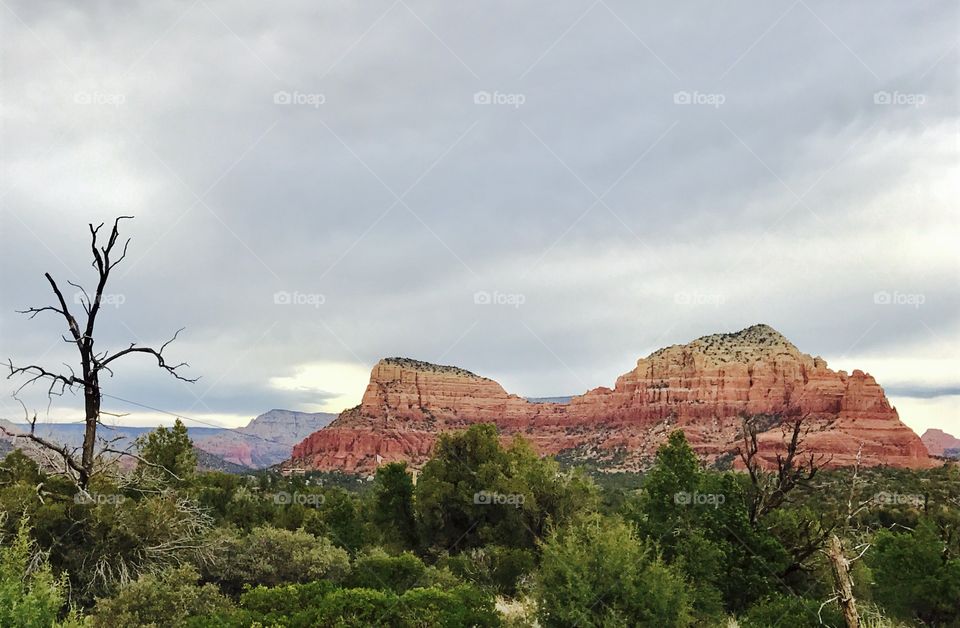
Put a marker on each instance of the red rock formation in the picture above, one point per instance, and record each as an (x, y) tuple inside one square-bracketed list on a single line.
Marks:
[(938, 442), (703, 387)]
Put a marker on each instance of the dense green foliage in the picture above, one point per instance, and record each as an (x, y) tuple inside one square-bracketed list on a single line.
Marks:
[(596, 572), (675, 546), (30, 595)]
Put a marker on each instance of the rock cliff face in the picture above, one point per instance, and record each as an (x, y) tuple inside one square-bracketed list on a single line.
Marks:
[(703, 387), (939, 443), (265, 440)]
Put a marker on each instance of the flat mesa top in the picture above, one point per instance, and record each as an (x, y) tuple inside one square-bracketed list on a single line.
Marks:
[(419, 365)]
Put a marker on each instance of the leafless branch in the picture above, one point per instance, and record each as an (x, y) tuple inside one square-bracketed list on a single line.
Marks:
[(68, 460), (161, 362), (143, 460)]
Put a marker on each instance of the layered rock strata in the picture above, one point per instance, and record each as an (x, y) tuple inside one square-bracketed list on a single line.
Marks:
[(703, 387)]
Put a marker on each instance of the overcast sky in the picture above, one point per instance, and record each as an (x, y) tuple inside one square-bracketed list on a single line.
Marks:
[(540, 192)]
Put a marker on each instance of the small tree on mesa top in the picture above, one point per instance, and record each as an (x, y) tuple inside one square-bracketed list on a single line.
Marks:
[(92, 363)]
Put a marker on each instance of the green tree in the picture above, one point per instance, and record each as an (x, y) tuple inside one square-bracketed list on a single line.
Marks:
[(167, 454), (341, 519), (596, 572), (916, 576), (30, 595), (473, 492), (392, 505), (700, 521)]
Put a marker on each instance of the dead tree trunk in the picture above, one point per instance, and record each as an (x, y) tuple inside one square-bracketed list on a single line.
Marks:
[(840, 567), (91, 362)]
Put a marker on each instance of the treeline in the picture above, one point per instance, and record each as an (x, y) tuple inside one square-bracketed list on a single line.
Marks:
[(486, 536)]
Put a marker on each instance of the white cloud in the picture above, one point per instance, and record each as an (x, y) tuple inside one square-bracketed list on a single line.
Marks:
[(341, 383)]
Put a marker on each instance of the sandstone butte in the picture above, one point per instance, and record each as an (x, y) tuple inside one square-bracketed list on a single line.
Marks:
[(703, 388), (938, 442)]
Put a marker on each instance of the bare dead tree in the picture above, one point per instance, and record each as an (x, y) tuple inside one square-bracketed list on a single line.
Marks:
[(106, 257), (843, 595), (770, 488), (796, 467), (836, 550)]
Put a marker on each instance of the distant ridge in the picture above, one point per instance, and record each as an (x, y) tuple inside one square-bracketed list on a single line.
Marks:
[(265, 441)]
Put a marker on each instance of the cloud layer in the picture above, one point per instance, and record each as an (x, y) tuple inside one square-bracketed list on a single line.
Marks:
[(541, 193)]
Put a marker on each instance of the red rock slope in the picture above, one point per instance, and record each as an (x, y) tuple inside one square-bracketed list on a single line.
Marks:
[(702, 387), (938, 442)]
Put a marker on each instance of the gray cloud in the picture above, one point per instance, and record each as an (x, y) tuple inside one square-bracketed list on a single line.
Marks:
[(794, 202)]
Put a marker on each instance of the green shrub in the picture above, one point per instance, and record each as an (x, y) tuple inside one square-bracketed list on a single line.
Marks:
[(790, 611), (597, 573), (463, 606), (360, 608), (30, 595), (497, 567), (271, 557), (916, 576), (377, 570), (167, 599)]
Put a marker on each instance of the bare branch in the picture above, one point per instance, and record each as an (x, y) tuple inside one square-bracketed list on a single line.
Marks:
[(38, 373), (61, 450), (158, 354), (33, 311), (101, 261), (71, 321), (86, 304), (143, 460)]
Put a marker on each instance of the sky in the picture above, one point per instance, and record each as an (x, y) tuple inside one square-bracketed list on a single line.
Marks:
[(541, 192)]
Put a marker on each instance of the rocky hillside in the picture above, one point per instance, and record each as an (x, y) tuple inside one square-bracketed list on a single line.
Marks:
[(266, 440), (702, 387), (939, 443)]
